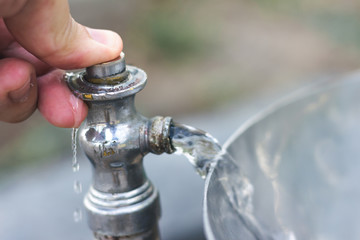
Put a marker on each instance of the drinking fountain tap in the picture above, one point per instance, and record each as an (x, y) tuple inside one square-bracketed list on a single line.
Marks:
[(122, 203)]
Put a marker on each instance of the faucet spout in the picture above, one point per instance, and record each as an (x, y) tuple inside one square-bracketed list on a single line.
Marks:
[(121, 202)]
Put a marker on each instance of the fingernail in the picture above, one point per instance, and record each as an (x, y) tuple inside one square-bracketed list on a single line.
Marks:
[(22, 94), (106, 37)]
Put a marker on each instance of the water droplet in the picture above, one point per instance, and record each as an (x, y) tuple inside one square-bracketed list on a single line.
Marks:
[(77, 215), (76, 167), (77, 187)]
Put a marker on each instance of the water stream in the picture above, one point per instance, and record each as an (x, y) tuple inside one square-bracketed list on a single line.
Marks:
[(198, 146), (203, 152), (75, 162), (77, 185)]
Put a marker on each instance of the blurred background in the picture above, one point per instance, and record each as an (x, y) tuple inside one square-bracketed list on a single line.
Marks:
[(203, 56)]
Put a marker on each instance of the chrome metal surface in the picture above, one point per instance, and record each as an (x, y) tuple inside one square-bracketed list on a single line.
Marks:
[(122, 202), (111, 72), (152, 234), (302, 157), (82, 88)]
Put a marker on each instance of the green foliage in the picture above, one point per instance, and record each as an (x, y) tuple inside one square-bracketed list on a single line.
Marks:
[(340, 24), (173, 36), (279, 4), (340, 27), (38, 145)]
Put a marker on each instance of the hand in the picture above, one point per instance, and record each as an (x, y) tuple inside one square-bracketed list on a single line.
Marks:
[(37, 38)]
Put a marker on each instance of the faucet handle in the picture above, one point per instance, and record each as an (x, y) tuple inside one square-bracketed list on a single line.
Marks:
[(112, 72), (107, 81)]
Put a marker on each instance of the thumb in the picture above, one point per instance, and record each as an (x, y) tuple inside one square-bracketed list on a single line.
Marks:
[(46, 29)]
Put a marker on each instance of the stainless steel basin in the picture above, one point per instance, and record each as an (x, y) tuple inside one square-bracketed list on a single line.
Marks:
[(302, 156)]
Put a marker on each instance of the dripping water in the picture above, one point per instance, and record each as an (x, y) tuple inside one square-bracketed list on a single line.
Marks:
[(77, 215), (75, 162), (204, 152), (77, 185)]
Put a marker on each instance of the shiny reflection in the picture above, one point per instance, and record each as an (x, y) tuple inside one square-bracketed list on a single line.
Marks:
[(302, 157)]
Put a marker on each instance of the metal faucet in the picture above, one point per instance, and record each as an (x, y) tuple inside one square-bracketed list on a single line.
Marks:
[(122, 203)]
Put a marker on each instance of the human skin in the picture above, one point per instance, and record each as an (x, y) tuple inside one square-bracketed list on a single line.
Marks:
[(38, 41)]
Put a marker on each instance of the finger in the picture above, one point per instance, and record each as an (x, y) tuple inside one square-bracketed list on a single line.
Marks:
[(57, 104), (18, 92), (14, 50), (10, 48), (5, 37), (46, 29), (9, 8)]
